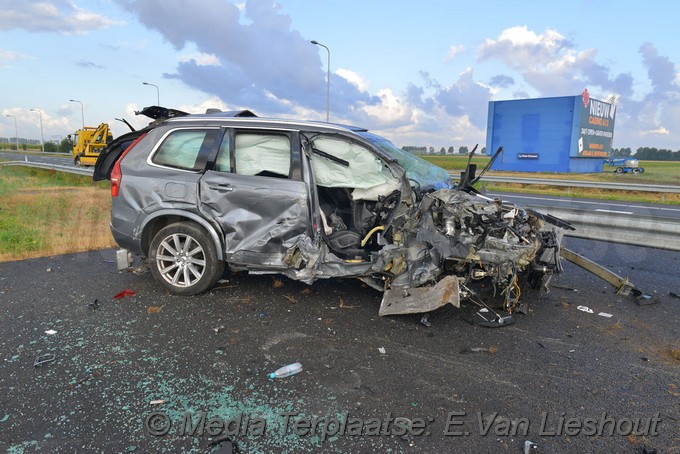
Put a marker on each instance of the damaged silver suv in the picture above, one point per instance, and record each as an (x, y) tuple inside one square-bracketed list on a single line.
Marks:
[(310, 200)]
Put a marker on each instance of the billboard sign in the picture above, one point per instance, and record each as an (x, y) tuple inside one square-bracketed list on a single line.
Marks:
[(596, 133)]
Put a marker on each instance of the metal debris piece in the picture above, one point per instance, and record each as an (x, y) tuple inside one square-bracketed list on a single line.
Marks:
[(382, 350), (605, 314), (44, 359), (425, 320), (585, 309), (157, 402), (421, 299), (50, 332), (94, 305)]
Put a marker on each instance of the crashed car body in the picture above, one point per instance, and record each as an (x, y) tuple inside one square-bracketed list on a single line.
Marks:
[(311, 200)]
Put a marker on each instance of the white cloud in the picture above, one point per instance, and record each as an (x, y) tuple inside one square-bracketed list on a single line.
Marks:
[(201, 59), (659, 131), (353, 78), (8, 55), (59, 16), (453, 51)]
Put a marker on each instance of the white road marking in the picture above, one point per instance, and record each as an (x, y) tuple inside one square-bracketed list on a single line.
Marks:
[(614, 211), (593, 203)]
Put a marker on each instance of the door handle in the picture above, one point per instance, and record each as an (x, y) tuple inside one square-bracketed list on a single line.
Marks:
[(221, 187)]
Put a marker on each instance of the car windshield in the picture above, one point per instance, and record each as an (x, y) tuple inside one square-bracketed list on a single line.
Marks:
[(425, 174)]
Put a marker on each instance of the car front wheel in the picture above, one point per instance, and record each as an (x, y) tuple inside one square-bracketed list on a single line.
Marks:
[(183, 259)]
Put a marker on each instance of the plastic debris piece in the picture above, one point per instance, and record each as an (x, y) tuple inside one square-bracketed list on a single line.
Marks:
[(287, 371), (585, 309), (44, 359), (157, 402), (605, 314), (426, 320), (124, 293), (5, 418), (50, 332), (382, 350), (530, 447)]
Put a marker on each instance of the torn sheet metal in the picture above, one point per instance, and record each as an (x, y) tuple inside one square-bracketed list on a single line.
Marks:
[(421, 299)]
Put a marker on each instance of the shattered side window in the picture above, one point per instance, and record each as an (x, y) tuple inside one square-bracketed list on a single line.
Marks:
[(427, 175), (262, 154), (343, 164)]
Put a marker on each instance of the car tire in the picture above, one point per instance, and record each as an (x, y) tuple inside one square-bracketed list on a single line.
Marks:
[(76, 161), (183, 259), (619, 170)]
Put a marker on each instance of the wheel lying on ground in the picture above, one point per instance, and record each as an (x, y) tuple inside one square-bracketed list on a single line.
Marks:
[(183, 259)]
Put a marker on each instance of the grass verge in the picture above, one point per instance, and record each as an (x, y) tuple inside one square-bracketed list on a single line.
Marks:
[(45, 213)]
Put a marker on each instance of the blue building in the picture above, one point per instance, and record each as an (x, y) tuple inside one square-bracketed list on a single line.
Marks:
[(562, 134)]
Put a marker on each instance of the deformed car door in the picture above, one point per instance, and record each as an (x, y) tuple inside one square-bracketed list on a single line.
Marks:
[(255, 193)]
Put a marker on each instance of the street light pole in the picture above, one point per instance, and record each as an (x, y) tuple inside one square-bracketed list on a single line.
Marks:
[(328, 81), (158, 93), (42, 140), (16, 130), (82, 110)]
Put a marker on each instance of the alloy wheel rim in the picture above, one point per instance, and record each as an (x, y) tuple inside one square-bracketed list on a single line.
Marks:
[(180, 259)]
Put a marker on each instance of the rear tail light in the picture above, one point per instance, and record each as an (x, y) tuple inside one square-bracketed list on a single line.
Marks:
[(116, 174)]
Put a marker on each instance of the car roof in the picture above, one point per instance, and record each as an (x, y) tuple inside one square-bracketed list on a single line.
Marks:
[(247, 118)]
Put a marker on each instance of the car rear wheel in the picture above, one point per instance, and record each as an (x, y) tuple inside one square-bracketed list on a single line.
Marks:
[(183, 259)]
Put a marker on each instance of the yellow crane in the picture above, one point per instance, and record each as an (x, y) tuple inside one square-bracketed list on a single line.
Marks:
[(89, 142)]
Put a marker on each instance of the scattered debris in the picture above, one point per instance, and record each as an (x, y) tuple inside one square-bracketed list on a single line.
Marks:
[(530, 447), (225, 445), (44, 359), (426, 320), (97, 372), (124, 293), (491, 349), (139, 270), (585, 309), (675, 353), (94, 305), (563, 287), (495, 322), (218, 329), (5, 418), (154, 309), (50, 332), (605, 314), (644, 358), (286, 371), (49, 270), (382, 350), (278, 283), (157, 402), (306, 291), (541, 345), (290, 298), (646, 300), (674, 295)]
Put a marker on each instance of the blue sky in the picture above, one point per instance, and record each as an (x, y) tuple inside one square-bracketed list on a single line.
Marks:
[(419, 73)]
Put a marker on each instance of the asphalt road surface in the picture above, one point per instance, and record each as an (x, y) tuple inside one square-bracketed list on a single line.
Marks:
[(135, 374)]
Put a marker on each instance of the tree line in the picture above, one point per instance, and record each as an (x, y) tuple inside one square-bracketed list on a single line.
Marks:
[(442, 151), (647, 153)]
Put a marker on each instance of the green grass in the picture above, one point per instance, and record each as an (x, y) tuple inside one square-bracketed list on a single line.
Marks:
[(43, 212)]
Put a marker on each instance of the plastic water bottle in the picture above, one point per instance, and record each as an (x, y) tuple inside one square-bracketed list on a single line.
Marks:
[(287, 371)]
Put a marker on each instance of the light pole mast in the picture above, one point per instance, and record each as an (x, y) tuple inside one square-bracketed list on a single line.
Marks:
[(158, 93), (16, 130), (328, 81), (42, 139), (82, 110)]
